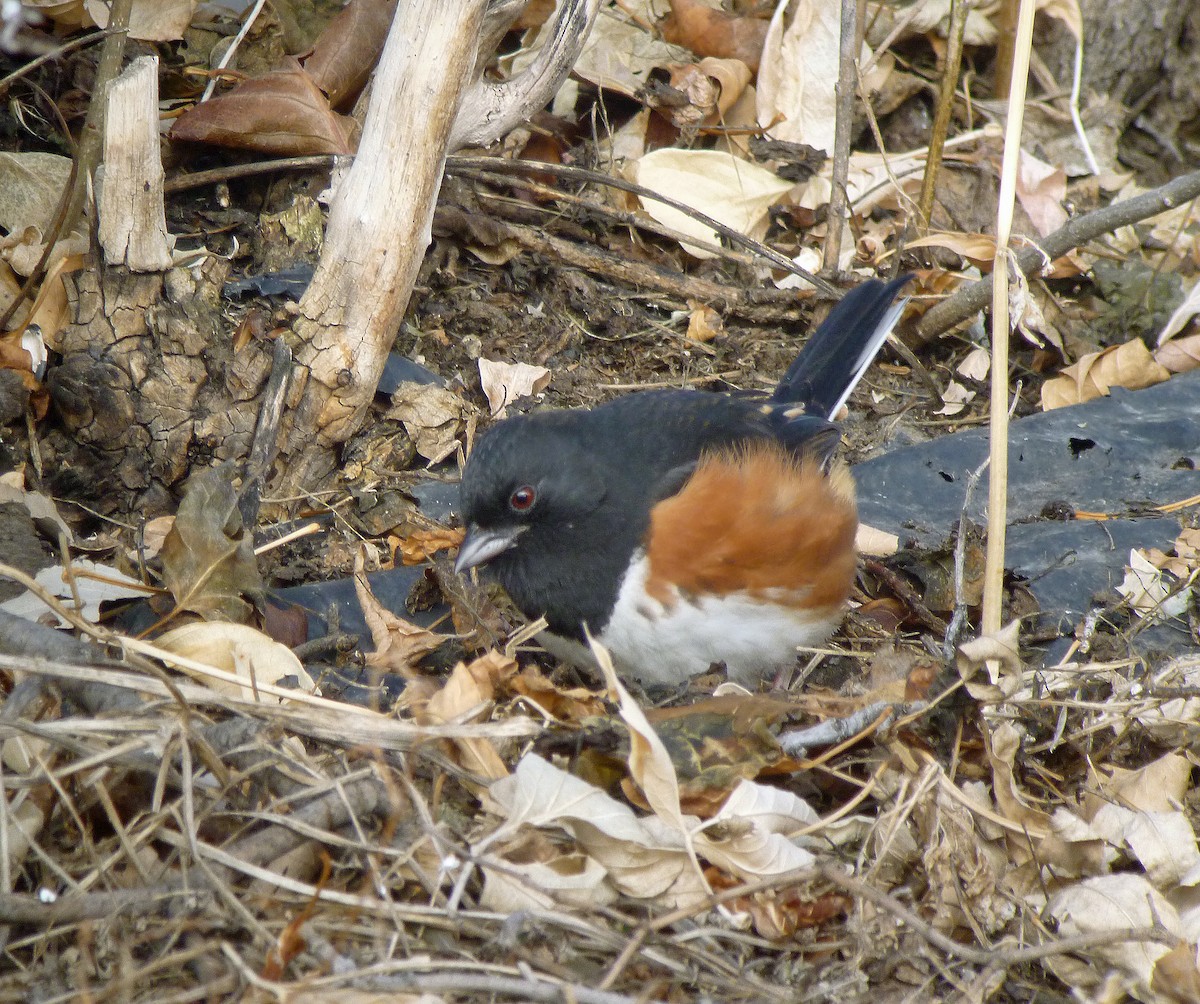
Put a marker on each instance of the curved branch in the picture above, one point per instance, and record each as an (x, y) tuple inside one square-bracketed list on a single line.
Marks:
[(1076, 232), (489, 110)]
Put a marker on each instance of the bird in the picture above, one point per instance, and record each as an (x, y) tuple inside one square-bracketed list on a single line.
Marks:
[(683, 528)]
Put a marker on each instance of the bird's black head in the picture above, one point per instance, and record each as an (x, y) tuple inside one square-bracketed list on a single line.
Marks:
[(543, 513)]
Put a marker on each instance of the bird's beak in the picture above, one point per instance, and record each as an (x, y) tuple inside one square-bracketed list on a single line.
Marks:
[(481, 546)]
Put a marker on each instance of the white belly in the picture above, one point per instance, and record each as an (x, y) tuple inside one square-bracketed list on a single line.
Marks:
[(660, 642)]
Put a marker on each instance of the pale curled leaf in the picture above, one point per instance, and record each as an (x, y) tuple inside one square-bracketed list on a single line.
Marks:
[(1164, 844), (1041, 189), (749, 836), (1129, 365), (799, 71), (731, 191), (1182, 315), (1150, 591), (644, 858), (150, 20), (1116, 903), (433, 416), (574, 879), (242, 650), (975, 364), (1066, 11), (934, 16), (1179, 355), (954, 399), (504, 383)]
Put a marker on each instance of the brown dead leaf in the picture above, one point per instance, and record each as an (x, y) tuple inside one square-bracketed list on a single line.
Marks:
[(978, 249), (569, 704), (208, 558), (348, 49), (149, 20), (433, 416), (779, 913), (421, 545), (1041, 189), (704, 323), (711, 87), (469, 693), (399, 644), (1179, 355), (1129, 365), (710, 32), (1176, 975), (282, 113)]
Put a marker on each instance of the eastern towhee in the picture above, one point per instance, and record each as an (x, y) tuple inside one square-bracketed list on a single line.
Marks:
[(684, 528)]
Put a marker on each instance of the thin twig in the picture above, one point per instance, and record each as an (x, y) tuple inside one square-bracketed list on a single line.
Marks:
[(945, 105), (464, 165), (848, 47)]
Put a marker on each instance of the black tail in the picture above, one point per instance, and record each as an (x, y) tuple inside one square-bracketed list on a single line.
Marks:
[(840, 350)]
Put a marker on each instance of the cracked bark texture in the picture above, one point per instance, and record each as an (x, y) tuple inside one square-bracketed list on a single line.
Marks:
[(149, 387)]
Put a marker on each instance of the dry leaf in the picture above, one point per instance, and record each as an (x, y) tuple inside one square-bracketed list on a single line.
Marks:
[(433, 416), (644, 858), (871, 540), (975, 364), (1182, 316), (1041, 189), (1115, 904), (1149, 593), (729, 190), (344, 56), (282, 112), (1160, 786), (704, 323), (503, 383), (1179, 355), (31, 185), (399, 644), (243, 651), (618, 55), (978, 249), (208, 557), (150, 20), (1129, 365), (799, 71), (933, 16), (469, 691), (419, 546), (537, 875), (711, 87), (955, 398), (708, 31), (1066, 11)]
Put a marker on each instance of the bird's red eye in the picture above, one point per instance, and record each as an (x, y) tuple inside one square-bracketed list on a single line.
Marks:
[(522, 499)]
